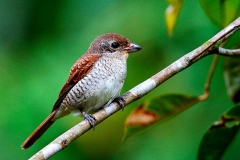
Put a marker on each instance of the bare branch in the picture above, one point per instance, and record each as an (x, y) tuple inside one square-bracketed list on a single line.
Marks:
[(228, 52), (139, 91), (205, 95)]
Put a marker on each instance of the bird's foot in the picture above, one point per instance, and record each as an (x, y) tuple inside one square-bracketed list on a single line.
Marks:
[(90, 118), (120, 101)]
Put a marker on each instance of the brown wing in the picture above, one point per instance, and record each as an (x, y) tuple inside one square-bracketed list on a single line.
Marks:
[(79, 70), (83, 66)]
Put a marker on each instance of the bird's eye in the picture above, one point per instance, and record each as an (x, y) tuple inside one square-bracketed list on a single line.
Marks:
[(115, 45)]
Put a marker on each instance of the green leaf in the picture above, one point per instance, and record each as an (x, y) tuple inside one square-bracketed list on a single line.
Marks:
[(220, 135), (221, 12), (172, 13), (157, 110), (232, 77)]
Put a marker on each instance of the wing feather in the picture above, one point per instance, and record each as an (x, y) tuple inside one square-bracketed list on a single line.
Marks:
[(79, 70)]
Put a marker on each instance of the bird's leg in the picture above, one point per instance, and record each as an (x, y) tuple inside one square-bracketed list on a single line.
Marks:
[(90, 118), (120, 101)]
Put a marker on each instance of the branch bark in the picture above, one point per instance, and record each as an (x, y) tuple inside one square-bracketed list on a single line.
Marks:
[(228, 52), (140, 90)]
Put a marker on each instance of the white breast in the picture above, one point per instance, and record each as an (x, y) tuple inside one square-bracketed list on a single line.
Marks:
[(102, 84)]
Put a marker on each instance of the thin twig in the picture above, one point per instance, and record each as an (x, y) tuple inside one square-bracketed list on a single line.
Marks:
[(228, 52), (205, 95), (219, 51), (137, 92)]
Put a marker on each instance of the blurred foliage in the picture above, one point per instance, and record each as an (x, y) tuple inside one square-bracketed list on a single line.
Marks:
[(221, 12), (220, 134), (232, 77), (172, 13), (39, 42), (156, 110)]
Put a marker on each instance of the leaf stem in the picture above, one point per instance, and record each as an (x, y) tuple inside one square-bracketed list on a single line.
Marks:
[(206, 92)]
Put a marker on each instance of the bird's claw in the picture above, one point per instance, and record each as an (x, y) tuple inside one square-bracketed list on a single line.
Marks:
[(90, 118), (120, 101)]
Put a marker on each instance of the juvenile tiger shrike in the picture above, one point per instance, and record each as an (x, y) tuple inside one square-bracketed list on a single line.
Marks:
[(95, 80)]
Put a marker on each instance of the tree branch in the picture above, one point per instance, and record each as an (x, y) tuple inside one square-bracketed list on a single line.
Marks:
[(228, 52), (140, 90)]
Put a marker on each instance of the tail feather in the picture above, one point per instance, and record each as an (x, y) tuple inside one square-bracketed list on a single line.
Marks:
[(38, 132)]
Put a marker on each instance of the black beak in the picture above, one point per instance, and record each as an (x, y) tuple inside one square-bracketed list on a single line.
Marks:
[(133, 48)]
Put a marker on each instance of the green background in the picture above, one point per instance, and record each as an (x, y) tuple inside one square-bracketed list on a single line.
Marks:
[(39, 42)]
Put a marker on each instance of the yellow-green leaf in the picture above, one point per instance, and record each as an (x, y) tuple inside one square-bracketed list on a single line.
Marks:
[(220, 135), (156, 110), (171, 14)]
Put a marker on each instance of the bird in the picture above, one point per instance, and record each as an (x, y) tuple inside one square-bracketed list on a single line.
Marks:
[(95, 80)]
